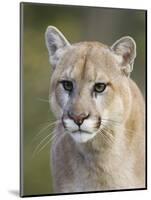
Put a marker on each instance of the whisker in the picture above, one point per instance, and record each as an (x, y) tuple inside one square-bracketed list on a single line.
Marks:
[(43, 140), (43, 100), (111, 125), (107, 133), (116, 123), (110, 120), (108, 129), (48, 127), (52, 138), (108, 139), (42, 144)]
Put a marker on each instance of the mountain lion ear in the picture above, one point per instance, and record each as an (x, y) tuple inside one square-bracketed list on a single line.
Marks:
[(126, 48), (56, 43)]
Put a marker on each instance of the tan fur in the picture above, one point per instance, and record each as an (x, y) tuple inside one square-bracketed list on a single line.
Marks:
[(101, 163)]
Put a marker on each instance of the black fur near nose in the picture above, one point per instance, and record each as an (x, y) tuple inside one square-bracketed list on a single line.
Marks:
[(78, 118)]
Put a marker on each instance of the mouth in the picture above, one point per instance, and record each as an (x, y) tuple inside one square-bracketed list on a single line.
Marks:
[(81, 131), (82, 136)]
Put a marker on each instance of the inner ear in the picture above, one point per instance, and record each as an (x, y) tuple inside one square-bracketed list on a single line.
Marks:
[(55, 40), (126, 48)]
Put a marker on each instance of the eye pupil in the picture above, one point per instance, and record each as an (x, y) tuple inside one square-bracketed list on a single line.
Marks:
[(99, 87), (67, 85)]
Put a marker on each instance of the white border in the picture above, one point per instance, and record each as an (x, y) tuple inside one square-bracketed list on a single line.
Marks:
[(9, 97)]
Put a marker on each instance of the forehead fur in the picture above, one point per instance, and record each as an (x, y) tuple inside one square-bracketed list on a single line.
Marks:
[(89, 61)]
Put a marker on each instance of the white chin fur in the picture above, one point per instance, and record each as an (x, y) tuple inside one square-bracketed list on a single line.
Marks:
[(82, 137)]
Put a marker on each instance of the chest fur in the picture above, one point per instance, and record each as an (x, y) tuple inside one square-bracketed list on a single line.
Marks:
[(114, 173), (91, 172)]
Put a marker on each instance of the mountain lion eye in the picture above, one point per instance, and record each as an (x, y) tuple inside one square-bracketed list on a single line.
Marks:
[(99, 87), (68, 85)]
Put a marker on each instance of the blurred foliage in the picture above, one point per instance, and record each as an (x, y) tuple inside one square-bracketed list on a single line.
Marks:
[(77, 24)]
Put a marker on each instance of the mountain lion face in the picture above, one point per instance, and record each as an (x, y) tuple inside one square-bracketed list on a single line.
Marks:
[(89, 85)]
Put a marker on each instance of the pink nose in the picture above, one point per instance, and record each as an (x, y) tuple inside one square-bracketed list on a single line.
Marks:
[(78, 118)]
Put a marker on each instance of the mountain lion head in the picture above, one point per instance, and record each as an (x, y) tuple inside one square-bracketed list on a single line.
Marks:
[(89, 83)]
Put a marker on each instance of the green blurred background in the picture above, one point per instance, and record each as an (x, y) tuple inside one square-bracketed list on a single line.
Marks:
[(77, 24)]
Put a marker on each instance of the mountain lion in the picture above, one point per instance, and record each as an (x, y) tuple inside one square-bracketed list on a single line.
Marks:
[(99, 137)]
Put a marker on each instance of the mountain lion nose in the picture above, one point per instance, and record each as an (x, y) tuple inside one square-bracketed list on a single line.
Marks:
[(78, 118)]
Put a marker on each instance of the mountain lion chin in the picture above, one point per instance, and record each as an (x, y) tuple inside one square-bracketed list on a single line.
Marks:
[(82, 137)]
